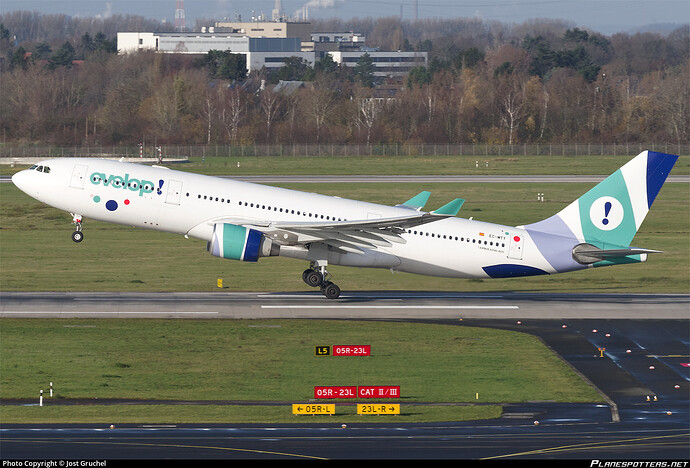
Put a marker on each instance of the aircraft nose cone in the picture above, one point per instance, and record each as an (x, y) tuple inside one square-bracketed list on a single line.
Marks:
[(21, 181)]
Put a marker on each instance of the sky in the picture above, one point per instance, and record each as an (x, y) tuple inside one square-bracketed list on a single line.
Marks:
[(604, 16)]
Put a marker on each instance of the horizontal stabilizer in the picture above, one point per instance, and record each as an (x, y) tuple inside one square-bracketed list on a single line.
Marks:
[(417, 202), (450, 209), (587, 253)]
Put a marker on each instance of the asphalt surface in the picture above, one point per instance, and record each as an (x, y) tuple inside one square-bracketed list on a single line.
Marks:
[(351, 305), (633, 348)]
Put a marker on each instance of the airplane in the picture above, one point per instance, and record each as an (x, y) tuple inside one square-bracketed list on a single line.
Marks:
[(245, 221)]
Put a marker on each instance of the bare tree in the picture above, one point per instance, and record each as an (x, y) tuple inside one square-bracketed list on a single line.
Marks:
[(368, 110), (234, 107), (511, 104), (164, 108), (673, 97), (270, 105), (430, 102), (545, 108), (208, 110), (320, 101), (469, 100)]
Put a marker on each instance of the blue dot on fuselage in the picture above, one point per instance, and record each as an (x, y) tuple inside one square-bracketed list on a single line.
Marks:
[(111, 205)]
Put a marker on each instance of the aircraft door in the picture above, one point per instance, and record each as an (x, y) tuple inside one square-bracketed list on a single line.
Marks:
[(515, 246), (174, 192), (78, 176)]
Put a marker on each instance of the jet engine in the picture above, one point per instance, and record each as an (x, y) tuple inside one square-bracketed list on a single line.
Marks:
[(240, 243)]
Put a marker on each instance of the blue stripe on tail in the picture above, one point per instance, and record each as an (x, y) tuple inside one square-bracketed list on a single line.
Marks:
[(659, 165)]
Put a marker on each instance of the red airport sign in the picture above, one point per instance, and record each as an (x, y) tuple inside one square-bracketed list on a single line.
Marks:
[(352, 350), (335, 392), (379, 391)]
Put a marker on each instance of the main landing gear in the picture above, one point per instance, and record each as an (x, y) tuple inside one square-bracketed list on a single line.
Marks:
[(317, 276), (77, 235)]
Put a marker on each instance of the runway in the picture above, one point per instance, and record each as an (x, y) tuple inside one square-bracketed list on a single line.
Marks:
[(487, 440), (351, 305), (642, 374)]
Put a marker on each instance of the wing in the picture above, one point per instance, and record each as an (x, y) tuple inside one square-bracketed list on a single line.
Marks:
[(348, 236)]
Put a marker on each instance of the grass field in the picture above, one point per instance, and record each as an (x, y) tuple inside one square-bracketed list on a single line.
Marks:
[(418, 165), (271, 360)]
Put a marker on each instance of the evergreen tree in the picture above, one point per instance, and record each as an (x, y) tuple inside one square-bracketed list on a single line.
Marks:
[(63, 57), (326, 65), (224, 64), (364, 70), (419, 76), (295, 69)]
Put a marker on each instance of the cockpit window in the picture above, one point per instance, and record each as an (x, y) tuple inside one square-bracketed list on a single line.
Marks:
[(38, 168)]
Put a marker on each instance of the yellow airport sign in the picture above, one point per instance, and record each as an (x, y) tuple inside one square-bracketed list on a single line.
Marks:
[(378, 408), (300, 408)]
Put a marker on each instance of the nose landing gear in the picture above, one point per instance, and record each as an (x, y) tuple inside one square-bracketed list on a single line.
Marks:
[(317, 276), (77, 235)]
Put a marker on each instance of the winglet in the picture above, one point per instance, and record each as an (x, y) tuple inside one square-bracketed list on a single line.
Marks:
[(417, 202), (450, 209)]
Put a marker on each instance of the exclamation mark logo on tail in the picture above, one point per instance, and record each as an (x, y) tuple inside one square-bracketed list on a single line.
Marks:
[(607, 210), (606, 213)]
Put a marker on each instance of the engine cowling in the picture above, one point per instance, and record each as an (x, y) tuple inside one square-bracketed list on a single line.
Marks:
[(240, 243)]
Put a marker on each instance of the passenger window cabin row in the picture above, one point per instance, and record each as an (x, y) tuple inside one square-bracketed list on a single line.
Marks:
[(271, 208), (333, 218)]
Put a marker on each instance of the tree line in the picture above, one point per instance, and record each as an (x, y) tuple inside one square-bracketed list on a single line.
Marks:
[(542, 81)]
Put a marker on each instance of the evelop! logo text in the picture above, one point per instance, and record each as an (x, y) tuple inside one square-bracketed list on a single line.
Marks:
[(116, 181)]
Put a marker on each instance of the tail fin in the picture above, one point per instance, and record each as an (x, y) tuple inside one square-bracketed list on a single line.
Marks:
[(609, 215)]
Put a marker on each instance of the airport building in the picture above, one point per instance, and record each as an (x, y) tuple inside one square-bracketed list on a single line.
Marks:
[(267, 29), (269, 52), (385, 63), (269, 44), (321, 42)]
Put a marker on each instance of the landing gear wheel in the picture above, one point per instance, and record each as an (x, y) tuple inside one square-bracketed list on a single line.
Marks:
[(312, 278), (77, 235), (330, 290), (305, 273)]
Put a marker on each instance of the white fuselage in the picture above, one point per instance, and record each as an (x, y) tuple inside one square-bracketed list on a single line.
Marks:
[(190, 204)]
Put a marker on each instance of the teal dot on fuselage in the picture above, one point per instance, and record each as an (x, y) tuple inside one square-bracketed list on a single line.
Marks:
[(97, 199)]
